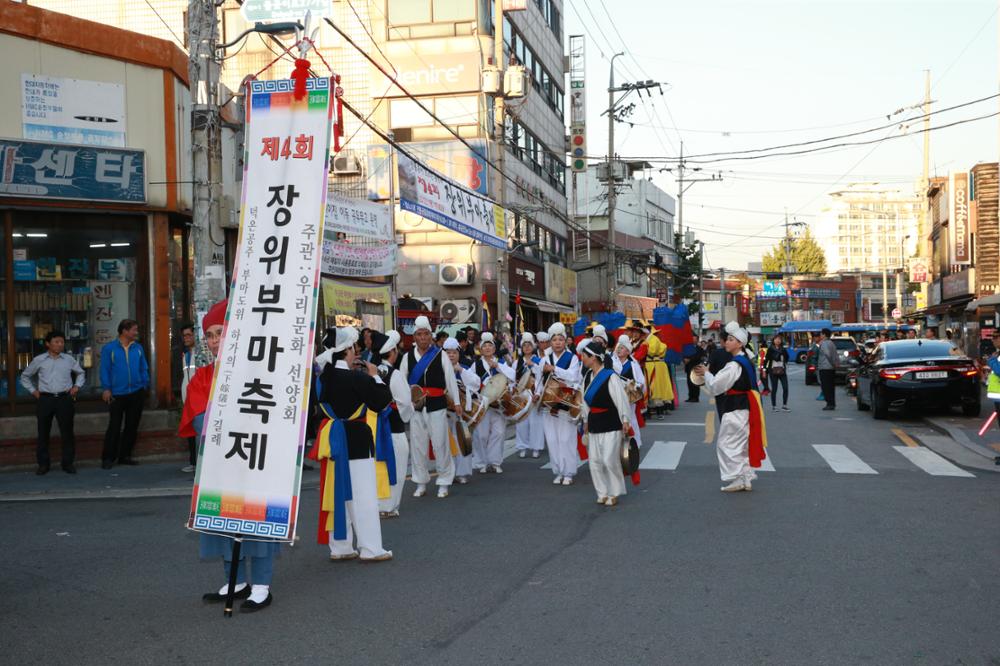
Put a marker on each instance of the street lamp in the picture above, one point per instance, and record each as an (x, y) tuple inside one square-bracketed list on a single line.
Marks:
[(273, 29)]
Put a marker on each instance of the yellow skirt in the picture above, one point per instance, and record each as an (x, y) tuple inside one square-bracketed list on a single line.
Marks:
[(658, 380)]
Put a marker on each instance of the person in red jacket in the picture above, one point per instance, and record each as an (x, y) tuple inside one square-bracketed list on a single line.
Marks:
[(261, 553)]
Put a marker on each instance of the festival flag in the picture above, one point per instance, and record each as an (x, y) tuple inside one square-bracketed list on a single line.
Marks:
[(486, 314)]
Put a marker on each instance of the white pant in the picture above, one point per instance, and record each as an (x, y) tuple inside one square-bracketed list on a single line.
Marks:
[(401, 447), (362, 514), (430, 427), (463, 464), (530, 432), (732, 446), (487, 440), (560, 437), (604, 450)]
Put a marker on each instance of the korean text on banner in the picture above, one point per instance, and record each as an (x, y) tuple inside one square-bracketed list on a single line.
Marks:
[(357, 238), (431, 195), (249, 470)]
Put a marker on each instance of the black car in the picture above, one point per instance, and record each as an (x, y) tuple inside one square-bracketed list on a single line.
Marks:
[(917, 374)]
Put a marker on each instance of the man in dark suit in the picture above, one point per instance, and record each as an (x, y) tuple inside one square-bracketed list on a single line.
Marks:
[(696, 357)]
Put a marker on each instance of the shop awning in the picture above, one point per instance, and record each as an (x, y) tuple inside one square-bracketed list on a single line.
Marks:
[(983, 302), (547, 306)]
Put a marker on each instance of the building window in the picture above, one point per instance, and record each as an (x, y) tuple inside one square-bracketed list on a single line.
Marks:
[(409, 12)]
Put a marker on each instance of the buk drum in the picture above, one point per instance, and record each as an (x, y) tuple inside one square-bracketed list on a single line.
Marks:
[(494, 389), (475, 410), (463, 436), (633, 391), (516, 406), (557, 395), (524, 383), (418, 396)]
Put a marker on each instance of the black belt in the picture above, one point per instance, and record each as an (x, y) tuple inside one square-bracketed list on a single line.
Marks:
[(54, 395)]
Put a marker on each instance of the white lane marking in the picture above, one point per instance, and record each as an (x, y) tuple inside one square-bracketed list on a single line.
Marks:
[(663, 455), (931, 462), (766, 465), (842, 460), (842, 418)]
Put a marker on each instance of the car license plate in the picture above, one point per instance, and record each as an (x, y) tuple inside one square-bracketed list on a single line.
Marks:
[(937, 374)]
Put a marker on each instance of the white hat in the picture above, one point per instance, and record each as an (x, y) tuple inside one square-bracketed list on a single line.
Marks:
[(527, 339), (557, 329), (583, 343), (733, 329), (600, 332), (542, 336), (346, 337), (624, 341), (391, 343), (451, 344), (594, 348), (487, 337), (422, 322)]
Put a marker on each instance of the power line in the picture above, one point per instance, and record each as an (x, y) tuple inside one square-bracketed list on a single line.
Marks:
[(165, 25)]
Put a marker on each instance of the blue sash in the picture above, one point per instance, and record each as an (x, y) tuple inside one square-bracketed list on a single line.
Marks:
[(602, 377), (384, 451), (565, 360), (421, 367), (627, 367), (342, 491), (748, 367)]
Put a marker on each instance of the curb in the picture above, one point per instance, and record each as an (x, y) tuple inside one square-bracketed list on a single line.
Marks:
[(960, 438)]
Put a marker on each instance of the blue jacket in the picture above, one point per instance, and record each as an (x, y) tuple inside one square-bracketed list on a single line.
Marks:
[(123, 374)]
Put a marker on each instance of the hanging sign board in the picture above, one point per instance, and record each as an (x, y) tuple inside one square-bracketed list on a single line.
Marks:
[(277, 10), (249, 466)]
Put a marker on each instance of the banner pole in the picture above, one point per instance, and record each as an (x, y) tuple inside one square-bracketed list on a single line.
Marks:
[(233, 569)]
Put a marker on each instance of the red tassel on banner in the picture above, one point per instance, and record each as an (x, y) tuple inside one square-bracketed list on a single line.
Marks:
[(299, 75)]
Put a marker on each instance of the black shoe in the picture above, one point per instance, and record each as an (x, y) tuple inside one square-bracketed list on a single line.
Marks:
[(127, 461), (69, 469), (829, 408), (215, 597), (42, 470), (253, 606), (107, 464)]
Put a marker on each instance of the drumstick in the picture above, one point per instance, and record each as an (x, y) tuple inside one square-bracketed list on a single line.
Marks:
[(986, 426)]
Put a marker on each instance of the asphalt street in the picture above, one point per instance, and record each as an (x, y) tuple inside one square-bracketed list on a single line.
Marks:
[(862, 546)]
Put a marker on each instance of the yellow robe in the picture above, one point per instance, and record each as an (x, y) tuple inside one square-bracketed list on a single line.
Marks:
[(660, 389)]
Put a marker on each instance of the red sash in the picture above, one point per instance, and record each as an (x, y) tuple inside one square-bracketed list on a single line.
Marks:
[(757, 441)]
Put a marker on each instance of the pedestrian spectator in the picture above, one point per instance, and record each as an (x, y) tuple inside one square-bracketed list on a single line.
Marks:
[(930, 333), (440, 338), (473, 335), (911, 334), (54, 378), (993, 383), (466, 357), (124, 380), (776, 368), (695, 358), (366, 345), (188, 363), (761, 357), (826, 364), (812, 357)]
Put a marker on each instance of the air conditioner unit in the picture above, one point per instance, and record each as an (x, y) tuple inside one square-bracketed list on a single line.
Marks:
[(515, 81), (346, 165), (458, 311), (454, 274)]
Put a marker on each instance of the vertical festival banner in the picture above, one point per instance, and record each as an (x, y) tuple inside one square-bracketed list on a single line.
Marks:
[(250, 455)]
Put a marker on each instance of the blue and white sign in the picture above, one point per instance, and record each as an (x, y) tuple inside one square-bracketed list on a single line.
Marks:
[(36, 170), (772, 289), (60, 110)]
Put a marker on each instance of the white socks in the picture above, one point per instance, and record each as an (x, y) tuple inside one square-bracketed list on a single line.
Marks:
[(258, 593), (225, 588)]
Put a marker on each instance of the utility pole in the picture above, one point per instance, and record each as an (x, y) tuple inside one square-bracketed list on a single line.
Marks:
[(612, 190), (885, 271), (206, 153), (923, 233), (701, 288), (499, 111), (682, 188), (789, 269), (722, 294)]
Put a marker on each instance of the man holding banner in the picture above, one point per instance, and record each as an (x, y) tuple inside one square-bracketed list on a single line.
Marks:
[(428, 369)]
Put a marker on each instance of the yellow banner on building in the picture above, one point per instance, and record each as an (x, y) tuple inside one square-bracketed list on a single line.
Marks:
[(356, 304)]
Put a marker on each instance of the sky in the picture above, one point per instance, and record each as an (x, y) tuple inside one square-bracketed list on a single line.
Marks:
[(746, 74)]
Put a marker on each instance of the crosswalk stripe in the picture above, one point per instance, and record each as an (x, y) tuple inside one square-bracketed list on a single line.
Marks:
[(663, 455), (842, 460), (766, 465), (931, 462)]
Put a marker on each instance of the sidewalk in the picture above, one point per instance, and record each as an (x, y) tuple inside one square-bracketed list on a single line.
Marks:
[(159, 479), (963, 432)]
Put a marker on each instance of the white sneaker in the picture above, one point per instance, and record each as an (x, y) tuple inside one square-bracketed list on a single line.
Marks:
[(734, 487), (482, 470), (535, 454), (442, 492), (498, 469), (421, 490), (567, 481), (556, 481), (187, 469), (461, 480), (522, 453), (785, 409)]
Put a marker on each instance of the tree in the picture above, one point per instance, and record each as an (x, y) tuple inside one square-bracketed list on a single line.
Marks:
[(686, 274), (807, 256)]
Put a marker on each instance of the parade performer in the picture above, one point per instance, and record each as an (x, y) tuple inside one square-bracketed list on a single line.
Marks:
[(628, 369), (261, 553), (560, 430), (742, 435), (346, 446), (468, 384), (429, 370), (399, 412), (606, 409), (657, 375), (543, 342), (487, 440), (530, 434)]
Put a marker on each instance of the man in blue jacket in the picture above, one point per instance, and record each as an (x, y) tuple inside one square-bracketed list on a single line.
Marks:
[(124, 379)]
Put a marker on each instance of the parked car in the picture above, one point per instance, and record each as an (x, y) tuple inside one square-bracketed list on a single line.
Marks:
[(917, 374), (850, 358)]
